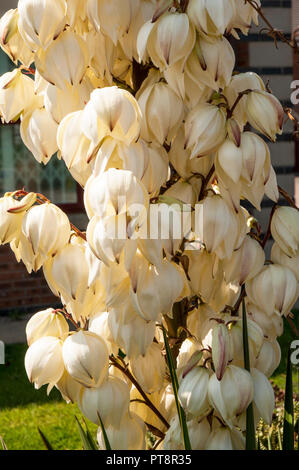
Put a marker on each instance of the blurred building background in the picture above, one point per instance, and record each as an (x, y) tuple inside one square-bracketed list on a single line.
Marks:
[(18, 168)]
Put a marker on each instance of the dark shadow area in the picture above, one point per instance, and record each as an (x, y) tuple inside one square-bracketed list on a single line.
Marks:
[(15, 389)]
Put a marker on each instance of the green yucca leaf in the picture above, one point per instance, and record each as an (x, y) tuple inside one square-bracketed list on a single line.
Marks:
[(87, 443), (175, 386), (288, 421), (250, 428), (93, 444), (45, 440), (106, 440)]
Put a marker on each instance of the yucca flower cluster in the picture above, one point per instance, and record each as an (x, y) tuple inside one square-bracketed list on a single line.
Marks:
[(139, 99)]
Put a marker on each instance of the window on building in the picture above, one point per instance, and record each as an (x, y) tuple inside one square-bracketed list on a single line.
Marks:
[(19, 169)]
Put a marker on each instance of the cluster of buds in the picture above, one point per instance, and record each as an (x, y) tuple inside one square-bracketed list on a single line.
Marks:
[(139, 99)]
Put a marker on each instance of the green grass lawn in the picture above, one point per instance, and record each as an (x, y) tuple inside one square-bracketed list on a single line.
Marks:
[(23, 409)]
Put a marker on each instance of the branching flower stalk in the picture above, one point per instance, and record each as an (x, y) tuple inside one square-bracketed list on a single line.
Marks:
[(271, 30), (140, 100)]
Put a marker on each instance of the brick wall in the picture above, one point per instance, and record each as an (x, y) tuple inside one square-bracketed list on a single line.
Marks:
[(18, 289)]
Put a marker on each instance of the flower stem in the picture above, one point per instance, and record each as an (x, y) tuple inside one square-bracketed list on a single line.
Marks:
[(128, 374)]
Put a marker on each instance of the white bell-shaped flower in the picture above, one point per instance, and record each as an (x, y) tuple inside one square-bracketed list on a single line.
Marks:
[(232, 395), (245, 263), (133, 334), (150, 369), (46, 323), (11, 42), (117, 192), (113, 18), (199, 432), (239, 83), (16, 95), (110, 401), (274, 289), (223, 438), (86, 358), (205, 129), (171, 39), (255, 341), (59, 103), (41, 21), (263, 398), (214, 61), (214, 222), (211, 17), (74, 147), (130, 435), (44, 363), (11, 216), (285, 229), (193, 392), (65, 61), (269, 357), (38, 132), (47, 228), (162, 112), (265, 113), (278, 256), (111, 111)]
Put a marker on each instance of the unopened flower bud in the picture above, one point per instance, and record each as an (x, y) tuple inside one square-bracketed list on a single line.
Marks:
[(221, 349)]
